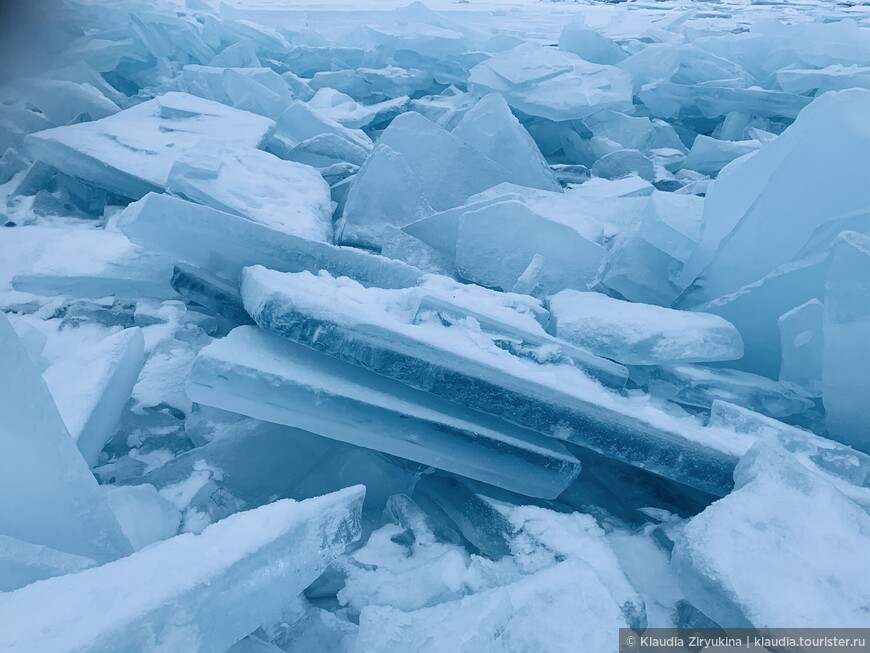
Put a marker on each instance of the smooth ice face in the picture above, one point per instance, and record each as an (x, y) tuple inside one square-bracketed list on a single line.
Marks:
[(131, 153), (546, 82), (283, 195), (258, 90), (736, 560), (765, 209), (223, 244), (710, 155), (91, 386), (271, 379), (22, 563), (802, 343), (491, 129), (193, 592), (50, 496), (642, 334), (845, 382), (590, 45)]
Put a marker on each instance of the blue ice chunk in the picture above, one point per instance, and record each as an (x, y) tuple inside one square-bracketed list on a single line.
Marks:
[(267, 377), (50, 496), (131, 153), (22, 563), (546, 82), (590, 45), (199, 592), (209, 291), (373, 329), (710, 155), (223, 244), (802, 345)]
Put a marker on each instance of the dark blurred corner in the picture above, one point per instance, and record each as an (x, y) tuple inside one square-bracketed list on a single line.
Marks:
[(33, 33)]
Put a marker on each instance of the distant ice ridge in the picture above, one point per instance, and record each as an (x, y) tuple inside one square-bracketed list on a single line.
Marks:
[(579, 294)]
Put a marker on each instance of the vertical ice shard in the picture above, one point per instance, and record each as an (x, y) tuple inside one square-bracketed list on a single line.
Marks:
[(736, 561), (223, 244), (491, 129), (845, 373), (763, 209), (191, 593), (49, 494), (642, 334), (269, 378), (802, 346), (283, 195), (91, 387), (132, 152)]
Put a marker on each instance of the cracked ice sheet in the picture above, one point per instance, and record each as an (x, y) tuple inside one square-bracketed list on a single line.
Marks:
[(344, 302)]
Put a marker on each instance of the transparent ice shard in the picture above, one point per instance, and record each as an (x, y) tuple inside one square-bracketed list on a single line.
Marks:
[(372, 328), (91, 387), (491, 129), (766, 208), (845, 380), (546, 82), (131, 153), (742, 575), (283, 195), (269, 378), (50, 496), (698, 386), (642, 334), (193, 592), (590, 45), (223, 244), (802, 343), (209, 291), (144, 515)]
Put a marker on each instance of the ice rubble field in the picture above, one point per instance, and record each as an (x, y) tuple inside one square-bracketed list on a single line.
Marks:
[(472, 327)]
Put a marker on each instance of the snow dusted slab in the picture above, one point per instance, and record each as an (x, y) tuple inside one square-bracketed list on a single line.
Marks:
[(642, 334), (193, 592), (540, 612), (131, 153), (283, 195), (223, 244), (736, 561), (91, 387), (546, 82), (49, 495), (373, 329), (93, 263), (267, 377)]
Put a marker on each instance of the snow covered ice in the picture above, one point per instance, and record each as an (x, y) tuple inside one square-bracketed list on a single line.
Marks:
[(491, 325)]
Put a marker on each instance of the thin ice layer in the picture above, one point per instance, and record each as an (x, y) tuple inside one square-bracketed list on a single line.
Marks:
[(193, 592), (50, 496), (223, 244), (278, 381), (132, 152)]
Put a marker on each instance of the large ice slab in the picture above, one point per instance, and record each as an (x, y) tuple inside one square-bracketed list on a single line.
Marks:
[(642, 334), (736, 560), (283, 195), (49, 494), (491, 129), (763, 211), (546, 82), (374, 329), (132, 152), (91, 386), (193, 592), (845, 377), (223, 244), (22, 563), (269, 378)]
